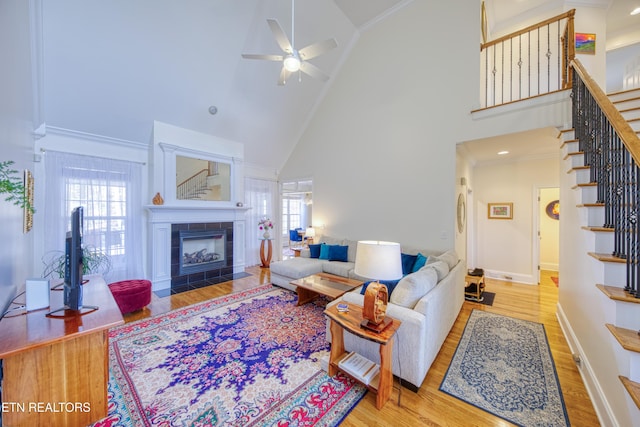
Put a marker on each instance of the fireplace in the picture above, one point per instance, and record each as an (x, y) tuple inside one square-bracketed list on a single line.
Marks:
[(201, 254), (201, 250)]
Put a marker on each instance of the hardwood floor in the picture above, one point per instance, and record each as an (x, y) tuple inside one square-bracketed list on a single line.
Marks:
[(429, 406)]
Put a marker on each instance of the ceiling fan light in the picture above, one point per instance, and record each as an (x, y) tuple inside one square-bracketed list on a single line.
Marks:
[(291, 63)]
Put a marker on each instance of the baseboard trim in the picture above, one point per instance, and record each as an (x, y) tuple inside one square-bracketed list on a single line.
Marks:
[(526, 279), (598, 398)]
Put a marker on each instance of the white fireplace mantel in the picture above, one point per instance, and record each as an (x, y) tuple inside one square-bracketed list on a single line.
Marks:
[(162, 216)]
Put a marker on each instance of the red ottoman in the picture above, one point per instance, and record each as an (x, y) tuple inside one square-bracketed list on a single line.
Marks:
[(131, 295)]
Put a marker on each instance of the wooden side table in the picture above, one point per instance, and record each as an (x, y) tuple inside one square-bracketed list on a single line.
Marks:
[(381, 384), (479, 289), (266, 258)]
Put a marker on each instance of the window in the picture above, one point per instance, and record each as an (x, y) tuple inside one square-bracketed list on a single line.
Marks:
[(109, 192), (104, 205), (291, 214)]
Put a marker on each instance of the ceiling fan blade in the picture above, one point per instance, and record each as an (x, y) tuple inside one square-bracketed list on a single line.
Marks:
[(317, 48), (313, 71), (284, 75), (265, 57), (280, 36)]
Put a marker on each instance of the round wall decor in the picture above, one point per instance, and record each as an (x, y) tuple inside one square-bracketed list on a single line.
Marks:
[(461, 212)]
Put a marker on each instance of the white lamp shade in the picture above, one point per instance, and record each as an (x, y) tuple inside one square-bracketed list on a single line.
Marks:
[(311, 232), (378, 260)]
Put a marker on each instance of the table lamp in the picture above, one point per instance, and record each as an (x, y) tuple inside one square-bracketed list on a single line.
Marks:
[(377, 261), (310, 234)]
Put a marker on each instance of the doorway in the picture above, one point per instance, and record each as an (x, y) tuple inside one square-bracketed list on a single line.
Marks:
[(548, 230), (297, 208)]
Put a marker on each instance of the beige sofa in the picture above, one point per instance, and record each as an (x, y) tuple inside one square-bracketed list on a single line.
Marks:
[(427, 302)]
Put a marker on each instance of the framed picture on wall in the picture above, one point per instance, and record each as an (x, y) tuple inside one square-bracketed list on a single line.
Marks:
[(500, 211), (586, 43)]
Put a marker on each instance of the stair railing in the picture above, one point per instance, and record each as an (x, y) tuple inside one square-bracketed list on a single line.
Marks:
[(192, 186), (612, 151), (530, 62)]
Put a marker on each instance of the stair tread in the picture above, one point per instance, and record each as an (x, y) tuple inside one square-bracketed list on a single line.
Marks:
[(624, 91), (626, 100), (595, 228), (628, 338), (585, 184), (618, 294), (633, 388), (606, 257)]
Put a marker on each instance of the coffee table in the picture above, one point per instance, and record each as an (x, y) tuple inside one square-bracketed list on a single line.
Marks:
[(325, 284)]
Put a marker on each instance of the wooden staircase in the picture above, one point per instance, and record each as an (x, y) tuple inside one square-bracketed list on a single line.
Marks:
[(625, 329)]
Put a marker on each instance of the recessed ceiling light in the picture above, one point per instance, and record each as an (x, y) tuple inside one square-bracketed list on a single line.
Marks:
[(502, 153), (635, 11)]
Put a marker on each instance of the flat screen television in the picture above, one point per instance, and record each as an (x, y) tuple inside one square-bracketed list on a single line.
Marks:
[(73, 267), (73, 262)]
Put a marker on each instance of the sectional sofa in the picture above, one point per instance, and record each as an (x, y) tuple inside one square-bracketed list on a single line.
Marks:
[(427, 300)]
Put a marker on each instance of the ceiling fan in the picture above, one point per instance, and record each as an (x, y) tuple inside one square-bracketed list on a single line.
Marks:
[(293, 59)]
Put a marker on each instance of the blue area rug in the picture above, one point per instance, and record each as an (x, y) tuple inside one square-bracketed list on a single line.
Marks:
[(247, 359), (504, 366)]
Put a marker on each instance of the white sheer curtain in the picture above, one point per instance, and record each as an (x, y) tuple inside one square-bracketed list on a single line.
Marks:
[(261, 196), (110, 193)]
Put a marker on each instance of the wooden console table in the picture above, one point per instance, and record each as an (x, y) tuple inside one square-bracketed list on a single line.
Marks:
[(382, 384), (56, 369)]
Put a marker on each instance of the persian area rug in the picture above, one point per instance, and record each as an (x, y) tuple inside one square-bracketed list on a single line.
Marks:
[(249, 358), (504, 366)]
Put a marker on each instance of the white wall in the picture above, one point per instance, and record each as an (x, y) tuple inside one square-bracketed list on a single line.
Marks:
[(16, 112), (505, 248), (380, 148)]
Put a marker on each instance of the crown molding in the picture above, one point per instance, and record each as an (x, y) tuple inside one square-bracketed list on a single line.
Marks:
[(53, 130)]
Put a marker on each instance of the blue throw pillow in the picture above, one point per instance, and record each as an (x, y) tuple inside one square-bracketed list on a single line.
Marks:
[(390, 284), (324, 252), (408, 262), (420, 262), (314, 250), (338, 253)]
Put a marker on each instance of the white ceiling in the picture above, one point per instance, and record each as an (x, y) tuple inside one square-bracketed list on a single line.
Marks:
[(113, 67)]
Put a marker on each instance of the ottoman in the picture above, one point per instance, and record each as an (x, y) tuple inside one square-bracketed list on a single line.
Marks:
[(131, 295)]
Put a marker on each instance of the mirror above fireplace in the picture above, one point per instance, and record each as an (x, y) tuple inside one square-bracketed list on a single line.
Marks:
[(200, 179)]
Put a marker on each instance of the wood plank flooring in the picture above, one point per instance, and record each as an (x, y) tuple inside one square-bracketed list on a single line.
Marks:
[(429, 406)]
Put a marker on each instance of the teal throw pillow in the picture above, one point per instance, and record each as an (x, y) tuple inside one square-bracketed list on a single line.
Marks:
[(324, 252), (421, 260), (338, 253), (408, 261)]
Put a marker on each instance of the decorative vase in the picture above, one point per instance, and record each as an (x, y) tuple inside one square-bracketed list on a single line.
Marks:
[(158, 200), (266, 234)]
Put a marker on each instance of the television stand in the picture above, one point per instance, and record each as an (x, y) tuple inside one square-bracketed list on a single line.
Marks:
[(47, 361)]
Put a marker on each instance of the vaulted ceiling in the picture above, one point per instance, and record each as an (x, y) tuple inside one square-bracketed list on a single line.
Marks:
[(111, 68)]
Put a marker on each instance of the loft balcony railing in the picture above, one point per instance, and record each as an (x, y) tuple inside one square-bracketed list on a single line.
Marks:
[(612, 151), (193, 186), (528, 63)]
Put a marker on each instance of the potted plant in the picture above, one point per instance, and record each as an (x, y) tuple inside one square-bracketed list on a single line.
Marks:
[(94, 261), (13, 185)]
